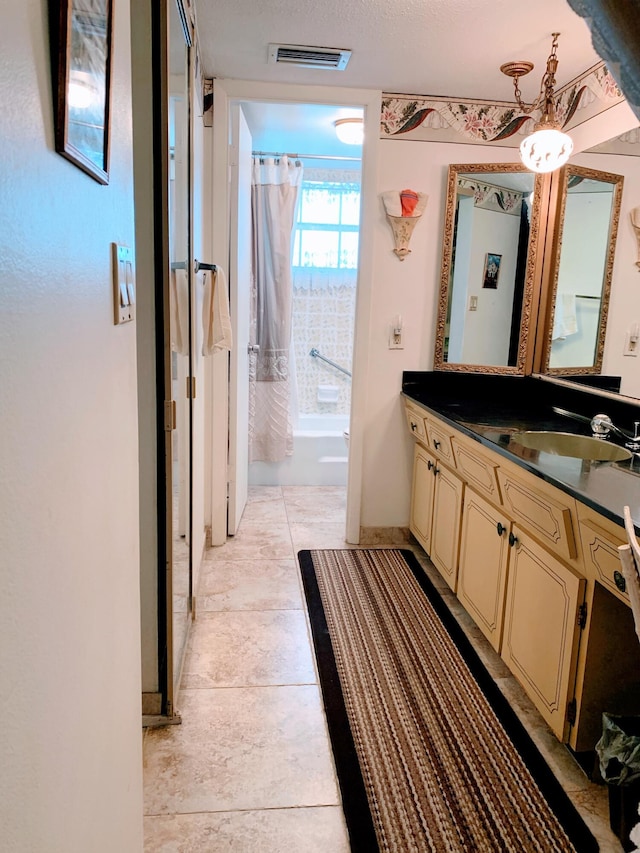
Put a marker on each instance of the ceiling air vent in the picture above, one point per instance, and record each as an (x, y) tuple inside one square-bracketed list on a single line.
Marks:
[(309, 57)]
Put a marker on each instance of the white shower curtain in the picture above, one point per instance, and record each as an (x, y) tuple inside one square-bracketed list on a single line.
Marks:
[(274, 194)]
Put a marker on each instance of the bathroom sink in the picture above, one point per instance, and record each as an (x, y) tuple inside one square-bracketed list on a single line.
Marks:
[(576, 446)]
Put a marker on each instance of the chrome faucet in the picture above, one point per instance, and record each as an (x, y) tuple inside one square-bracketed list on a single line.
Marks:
[(602, 425)]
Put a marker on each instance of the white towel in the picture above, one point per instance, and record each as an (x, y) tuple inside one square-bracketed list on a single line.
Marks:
[(565, 320), (179, 306), (393, 204), (216, 322)]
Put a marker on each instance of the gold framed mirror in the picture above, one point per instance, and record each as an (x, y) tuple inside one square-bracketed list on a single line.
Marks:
[(588, 214), (491, 256)]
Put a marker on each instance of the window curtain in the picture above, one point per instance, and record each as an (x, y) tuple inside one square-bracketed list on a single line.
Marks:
[(274, 195), (615, 33)]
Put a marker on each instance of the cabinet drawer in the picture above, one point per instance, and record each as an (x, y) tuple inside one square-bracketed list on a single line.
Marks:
[(440, 441), (415, 422), (476, 468), (542, 510), (600, 539)]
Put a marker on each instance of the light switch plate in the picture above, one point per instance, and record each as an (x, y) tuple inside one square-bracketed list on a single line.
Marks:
[(124, 284)]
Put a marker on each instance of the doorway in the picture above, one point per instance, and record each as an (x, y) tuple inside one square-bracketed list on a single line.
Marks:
[(227, 94), (324, 274)]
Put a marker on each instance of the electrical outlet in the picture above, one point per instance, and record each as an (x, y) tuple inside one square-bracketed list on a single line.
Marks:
[(395, 333), (630, 344)]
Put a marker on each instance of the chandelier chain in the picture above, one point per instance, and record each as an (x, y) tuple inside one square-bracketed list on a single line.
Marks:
[(547, 84)]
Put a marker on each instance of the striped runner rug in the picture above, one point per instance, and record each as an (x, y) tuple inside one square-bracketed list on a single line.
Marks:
[(429, 755)]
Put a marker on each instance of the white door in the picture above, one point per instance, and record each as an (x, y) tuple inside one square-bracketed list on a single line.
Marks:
[(240, 287)]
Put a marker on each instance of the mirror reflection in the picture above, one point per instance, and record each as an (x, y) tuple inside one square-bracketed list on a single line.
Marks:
[(488, 264), (588, 215)]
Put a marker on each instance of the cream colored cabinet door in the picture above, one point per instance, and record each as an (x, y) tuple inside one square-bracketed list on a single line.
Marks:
[(541, 632), (445, 529), (482, 573), (422, 496)]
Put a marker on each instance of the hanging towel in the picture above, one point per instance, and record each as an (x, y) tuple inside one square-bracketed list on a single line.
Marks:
[(216, 322), (408, 203), (408, 200), (179, 308), (565, 320)]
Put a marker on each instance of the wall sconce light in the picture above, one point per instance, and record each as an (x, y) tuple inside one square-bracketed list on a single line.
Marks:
[(350, 130), (403, 210), (547, 148), (635, 222)]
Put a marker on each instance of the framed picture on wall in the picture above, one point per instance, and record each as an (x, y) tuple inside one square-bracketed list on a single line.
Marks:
[(82, 58), (491, 270)]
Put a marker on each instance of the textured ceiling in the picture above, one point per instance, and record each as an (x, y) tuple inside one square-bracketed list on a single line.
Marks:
[(427, 47), (420, 47)]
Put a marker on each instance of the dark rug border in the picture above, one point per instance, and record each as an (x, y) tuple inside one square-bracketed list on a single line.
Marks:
[(354, 798)]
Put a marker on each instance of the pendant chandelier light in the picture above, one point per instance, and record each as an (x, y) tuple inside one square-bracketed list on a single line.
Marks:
[(547, 148)]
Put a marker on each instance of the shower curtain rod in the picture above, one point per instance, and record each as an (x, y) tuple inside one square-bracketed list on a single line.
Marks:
[(304, 156)]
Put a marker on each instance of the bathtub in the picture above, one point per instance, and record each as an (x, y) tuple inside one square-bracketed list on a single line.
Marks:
[(319, 456)]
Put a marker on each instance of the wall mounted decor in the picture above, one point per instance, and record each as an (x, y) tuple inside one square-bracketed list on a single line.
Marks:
[(403, 210), (635, 221), (82, 69)]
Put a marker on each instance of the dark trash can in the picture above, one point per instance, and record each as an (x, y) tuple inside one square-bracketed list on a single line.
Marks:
[(619, 756)]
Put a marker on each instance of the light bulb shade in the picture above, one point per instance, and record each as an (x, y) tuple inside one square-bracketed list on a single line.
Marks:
[(350, 130), (546, 150)]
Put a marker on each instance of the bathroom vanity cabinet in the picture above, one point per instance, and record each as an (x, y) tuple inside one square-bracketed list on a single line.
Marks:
[(536, 569)]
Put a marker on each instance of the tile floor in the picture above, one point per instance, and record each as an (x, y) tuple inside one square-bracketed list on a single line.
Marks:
[(250, 767)]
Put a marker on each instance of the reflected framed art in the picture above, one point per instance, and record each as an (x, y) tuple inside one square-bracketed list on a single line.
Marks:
[(82, 74)]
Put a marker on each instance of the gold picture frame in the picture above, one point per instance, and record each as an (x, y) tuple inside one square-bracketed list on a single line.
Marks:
[(82, 84)]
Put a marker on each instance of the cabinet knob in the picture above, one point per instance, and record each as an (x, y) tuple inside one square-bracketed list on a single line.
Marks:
[(435, 470), (436, 443), (512, 539), (429, 465), (620, 581), (500, 528), (414, 427)]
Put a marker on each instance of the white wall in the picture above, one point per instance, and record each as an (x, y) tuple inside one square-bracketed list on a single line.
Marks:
[(409, 288), (70, 739), (487, 331)]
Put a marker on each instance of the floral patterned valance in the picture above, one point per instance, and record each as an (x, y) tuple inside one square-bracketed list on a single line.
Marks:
[(443, 119), (491, 197)]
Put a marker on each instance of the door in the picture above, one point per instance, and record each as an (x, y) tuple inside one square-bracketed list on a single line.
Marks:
[(482, 574), (422, 496), (240, 292), (178, 349), (541, 632), (445, 527)]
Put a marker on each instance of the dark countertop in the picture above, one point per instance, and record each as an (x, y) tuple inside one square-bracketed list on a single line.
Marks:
[(491, 411)]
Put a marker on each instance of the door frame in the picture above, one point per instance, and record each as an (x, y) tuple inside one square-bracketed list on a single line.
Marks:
[(227, 92)]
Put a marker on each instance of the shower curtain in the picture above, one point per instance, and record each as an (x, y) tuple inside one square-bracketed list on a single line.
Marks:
[(274, 194)]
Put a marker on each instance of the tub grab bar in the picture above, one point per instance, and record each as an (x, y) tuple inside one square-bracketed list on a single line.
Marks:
[(316, 354)]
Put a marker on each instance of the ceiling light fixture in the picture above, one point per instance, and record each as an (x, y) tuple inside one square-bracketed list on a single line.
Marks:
[(547, 148), (350, 130)]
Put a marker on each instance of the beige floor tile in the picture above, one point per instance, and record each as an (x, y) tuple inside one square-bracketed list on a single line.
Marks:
[(295, 830), (264, 493), (593, 805), (256, 540), (250, 585), (321, 535), (310, 505), (241, 748), (244, 647), (264, 511)]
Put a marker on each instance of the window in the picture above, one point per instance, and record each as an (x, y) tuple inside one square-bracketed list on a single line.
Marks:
[(326, 235)]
